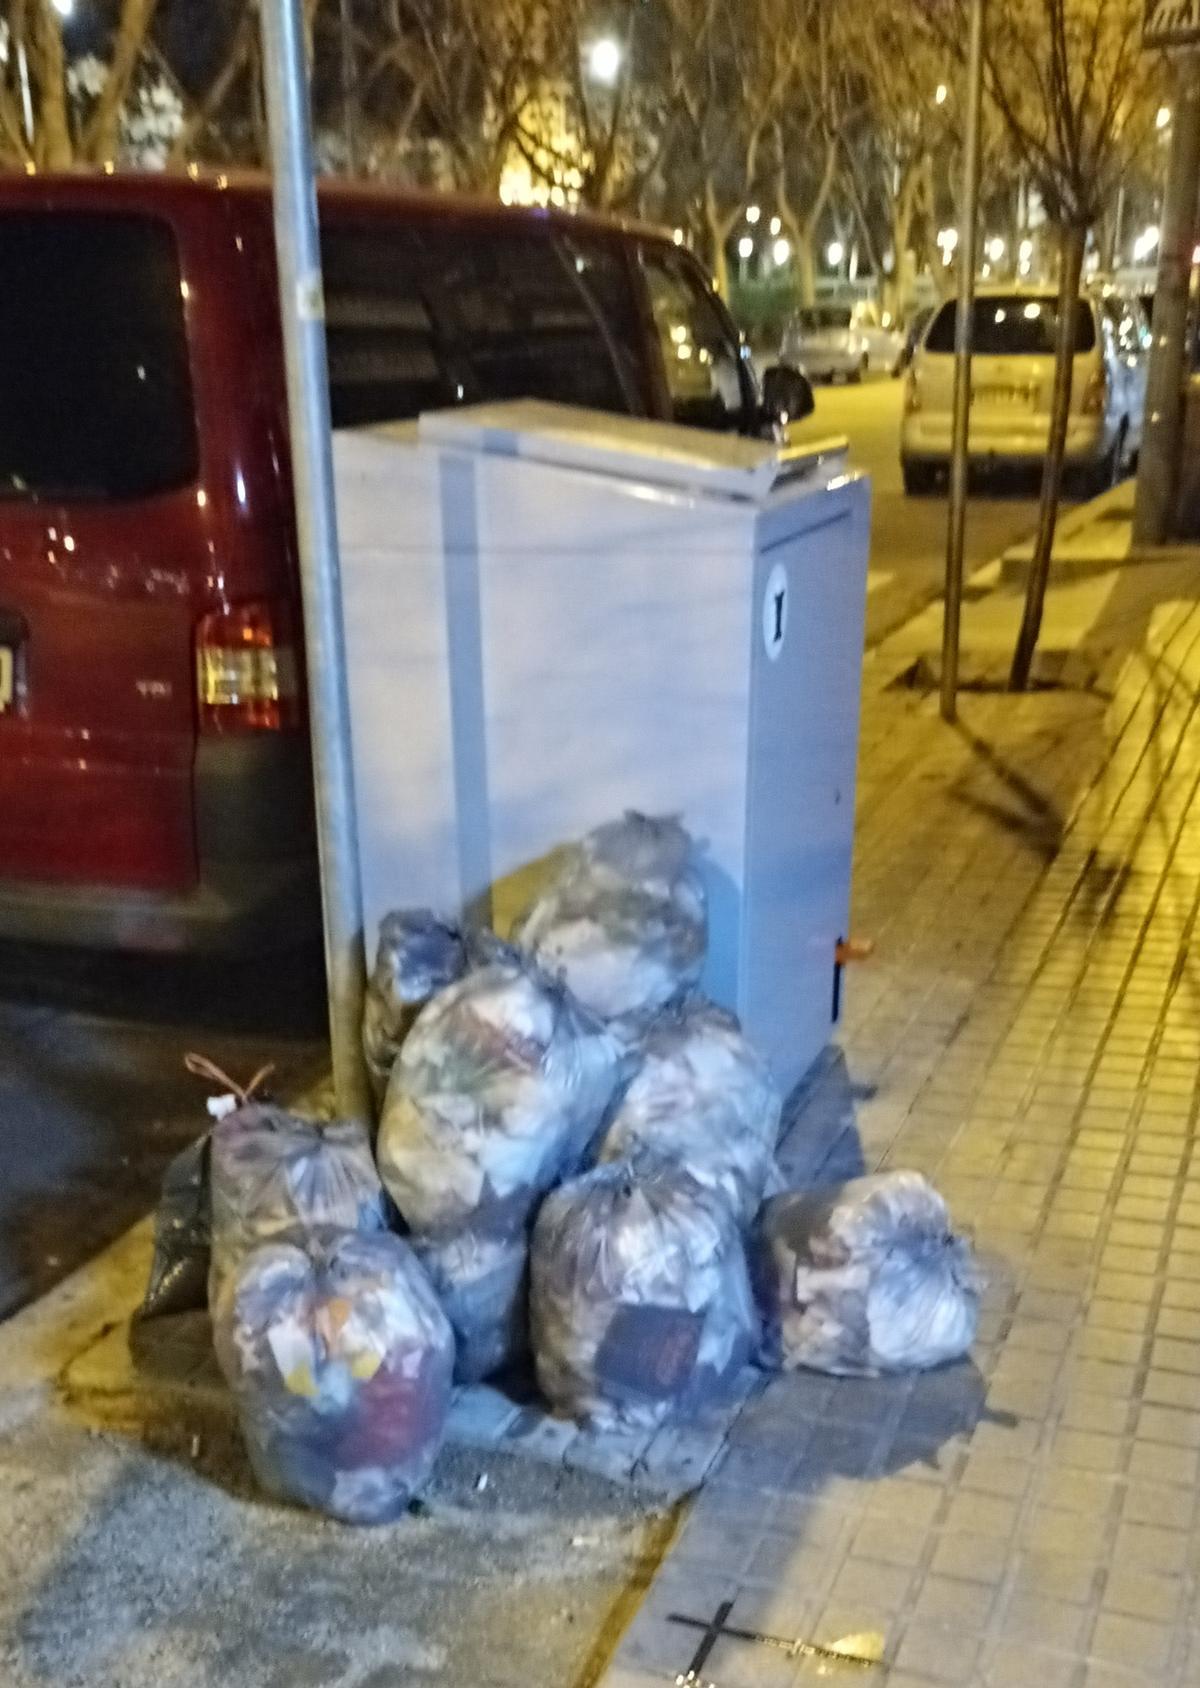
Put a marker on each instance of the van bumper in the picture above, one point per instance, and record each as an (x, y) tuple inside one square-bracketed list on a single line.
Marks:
[(930, 441), (258, 885)]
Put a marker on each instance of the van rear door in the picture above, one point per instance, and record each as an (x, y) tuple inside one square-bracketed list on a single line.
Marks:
[(101, 541)]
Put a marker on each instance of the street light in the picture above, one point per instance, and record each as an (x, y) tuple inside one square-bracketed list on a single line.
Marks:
[(776, 224), (745, 247), (835, 252), (942, 94), (1144, 245), (1163, 120), (64, 8), (995, 248), (1025, 250), (604, 60), (753, 213), (781, 251)]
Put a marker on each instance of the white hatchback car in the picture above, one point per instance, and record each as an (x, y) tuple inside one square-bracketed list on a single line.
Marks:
[(1012, 379), (824, 342)]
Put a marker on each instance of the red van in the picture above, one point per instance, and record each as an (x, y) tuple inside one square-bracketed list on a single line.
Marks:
[(154, 774)]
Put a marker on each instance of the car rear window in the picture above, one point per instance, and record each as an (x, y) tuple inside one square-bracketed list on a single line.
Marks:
[(1012, 325), (95, 391), (420, 318), (823, 318)]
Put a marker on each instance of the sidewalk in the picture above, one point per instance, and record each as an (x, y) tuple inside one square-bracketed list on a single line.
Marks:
[(1028, 1036)]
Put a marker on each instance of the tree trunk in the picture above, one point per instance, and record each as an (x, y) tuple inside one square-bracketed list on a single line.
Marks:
[(54, 151), (806, 266), (718, 229), (101, 138), (1072, 240)]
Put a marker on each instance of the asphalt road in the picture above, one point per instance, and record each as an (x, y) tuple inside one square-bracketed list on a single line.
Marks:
[(95, 1099), (908, 536)]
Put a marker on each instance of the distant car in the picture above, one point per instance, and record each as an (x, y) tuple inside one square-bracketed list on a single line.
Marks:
[(823, 341), (881, 334), (1012, 378)]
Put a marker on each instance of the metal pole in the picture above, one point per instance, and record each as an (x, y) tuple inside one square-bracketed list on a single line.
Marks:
[(1159, 465), (301, 300), (967, 253), (349, 116)]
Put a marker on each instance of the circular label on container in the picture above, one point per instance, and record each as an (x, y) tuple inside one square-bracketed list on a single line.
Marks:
[(775, 612)]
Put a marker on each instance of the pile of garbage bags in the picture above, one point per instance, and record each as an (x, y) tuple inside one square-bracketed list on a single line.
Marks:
[(578, 1151)]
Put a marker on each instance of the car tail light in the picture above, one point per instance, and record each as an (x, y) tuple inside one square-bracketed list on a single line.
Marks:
[(246, 670), (1095, 397), (912, 393)]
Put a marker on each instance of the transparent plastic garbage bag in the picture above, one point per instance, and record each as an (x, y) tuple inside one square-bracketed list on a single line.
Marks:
[(640, 1301), (500, 1088), (864, 1278), (702, 1096), (418, 955), (340, 1361), (276, 1175), (625, 922), (482, 1283)]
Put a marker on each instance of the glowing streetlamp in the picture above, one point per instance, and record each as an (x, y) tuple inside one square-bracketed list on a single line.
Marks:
[(776, 224), (745, 248), (604, 60), (753, 213), (1163, 119), (781, 251), (834, 253), (995, 248), (942, 94)]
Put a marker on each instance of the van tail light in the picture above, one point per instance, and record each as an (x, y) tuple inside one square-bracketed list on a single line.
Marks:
[(246, 670), (1095, 396), (912, 393)]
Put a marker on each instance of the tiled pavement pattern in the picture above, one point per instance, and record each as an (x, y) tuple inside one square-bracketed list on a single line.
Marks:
[(1029, 1037)]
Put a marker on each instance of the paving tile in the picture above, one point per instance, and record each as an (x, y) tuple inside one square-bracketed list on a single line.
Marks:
[(983, 1559), (1169, 1424), (1031, 1618), (1170, 1505), (1136, 1642), (1015, 1664), (1150, 1548), (945, 1655), (1142, 1594)]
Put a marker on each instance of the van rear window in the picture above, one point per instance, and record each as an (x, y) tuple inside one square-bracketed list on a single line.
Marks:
[(1012, 325), (95, 392)]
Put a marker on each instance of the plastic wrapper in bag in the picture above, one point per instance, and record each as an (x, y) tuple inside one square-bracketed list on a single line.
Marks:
[(640, 1301), (625, 922), (418, 956), (705, 1098), (864, 1278), (182, 1237), (500, 1088), (483, 1286), (275, 1175), (340, 1361)]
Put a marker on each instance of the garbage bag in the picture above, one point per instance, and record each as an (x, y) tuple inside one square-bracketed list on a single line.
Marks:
[(499, 1089), (340, 1363), (864, 1278), (483, 1285), (625, 922), (704, 1097), (418, 956), (640, 1301), (182, 1237), (276, 1175)]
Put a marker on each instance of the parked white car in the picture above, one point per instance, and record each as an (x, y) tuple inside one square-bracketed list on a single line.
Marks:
[(882, 336), (1012, 379), (823, 341)]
